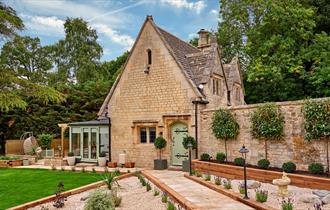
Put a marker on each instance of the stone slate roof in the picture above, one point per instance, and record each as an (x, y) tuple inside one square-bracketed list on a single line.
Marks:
[(232, 74)]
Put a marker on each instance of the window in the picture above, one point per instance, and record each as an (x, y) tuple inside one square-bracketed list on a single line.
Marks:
[(147, 135), (149, 57), (238, 96), (216, 87)]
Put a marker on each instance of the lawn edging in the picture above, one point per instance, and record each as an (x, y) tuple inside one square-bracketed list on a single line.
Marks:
[(66, 193), (230, 194), (236, 172), (186, 204)]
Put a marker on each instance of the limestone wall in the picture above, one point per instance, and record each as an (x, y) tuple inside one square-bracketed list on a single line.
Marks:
[(293, 147)]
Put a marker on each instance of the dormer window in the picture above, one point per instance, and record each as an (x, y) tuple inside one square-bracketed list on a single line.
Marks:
[(149, 54)]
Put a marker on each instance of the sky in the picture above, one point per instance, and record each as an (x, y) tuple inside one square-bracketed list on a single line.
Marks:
[(117, 22)]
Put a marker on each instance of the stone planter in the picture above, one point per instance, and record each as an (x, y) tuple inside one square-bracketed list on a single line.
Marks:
[(267, 176), (71, 161), (185, 165), (160, 164), (26, 162), (112, 164), (129, 164), (102, 161)]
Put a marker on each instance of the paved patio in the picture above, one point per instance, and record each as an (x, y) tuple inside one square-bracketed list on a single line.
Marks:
[(199, 195)]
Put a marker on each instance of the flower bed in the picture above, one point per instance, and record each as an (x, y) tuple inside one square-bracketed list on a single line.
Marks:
[(236, 172), (9, 162)]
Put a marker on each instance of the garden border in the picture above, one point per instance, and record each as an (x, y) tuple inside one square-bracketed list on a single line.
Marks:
[(185, 203), (66, 193), (236, 172), (232, 195), (10, 163)]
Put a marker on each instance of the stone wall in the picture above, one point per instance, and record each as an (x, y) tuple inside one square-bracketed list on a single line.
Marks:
[(293, 146)]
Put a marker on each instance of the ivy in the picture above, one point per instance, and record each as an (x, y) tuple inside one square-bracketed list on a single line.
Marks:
[(267, 122), (224, 126)]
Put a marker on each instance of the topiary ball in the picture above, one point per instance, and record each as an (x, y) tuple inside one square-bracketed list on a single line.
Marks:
[(221, 157), (289, 167), (160, 142), (263, 164), (205, 157), (239, 161), (187, 140), (316, 168)]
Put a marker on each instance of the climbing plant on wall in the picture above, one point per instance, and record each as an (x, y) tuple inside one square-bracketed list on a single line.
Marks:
[(267, 122), (224, 126), (317, 122)]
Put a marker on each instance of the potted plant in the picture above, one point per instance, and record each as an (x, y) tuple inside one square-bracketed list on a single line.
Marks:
[(185, 142), (159, 164), (71, 159), (112, 164), (102, 160), (129, 164)]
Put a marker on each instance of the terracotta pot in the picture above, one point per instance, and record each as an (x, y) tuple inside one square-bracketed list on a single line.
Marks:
[(129, 164), (112, 164)]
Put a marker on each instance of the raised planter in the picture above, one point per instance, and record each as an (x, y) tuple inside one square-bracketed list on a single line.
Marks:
[(236, 172), (160, 164), (10, 163)]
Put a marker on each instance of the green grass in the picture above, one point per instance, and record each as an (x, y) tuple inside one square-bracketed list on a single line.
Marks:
[(18, 186)]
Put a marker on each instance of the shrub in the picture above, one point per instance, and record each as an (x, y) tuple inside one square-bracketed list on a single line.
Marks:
[(115, 198), (241, 188), (261, 195), (59, 197), (217, 180), (227, 184), (99, 200), (45, 140), (198, 174), (148, 186), (289, 167), (207, 177), (287, 204), (170, 206), (156, 192), (70, 154), (164, 197), (160, 143), (102, 154), (224, 126), (187, 140), (205, 157), (316, 168), (221, 157), (110, 181), (239, 161), (263, 164)]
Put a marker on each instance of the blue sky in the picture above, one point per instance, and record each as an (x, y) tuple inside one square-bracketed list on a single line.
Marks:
[(116, 21)]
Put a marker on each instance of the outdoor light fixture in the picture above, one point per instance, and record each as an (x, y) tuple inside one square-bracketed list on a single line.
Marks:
[(243, 151), (190, 146)]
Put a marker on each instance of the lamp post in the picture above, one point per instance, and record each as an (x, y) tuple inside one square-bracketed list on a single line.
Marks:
[(243, 151), (190, 146)]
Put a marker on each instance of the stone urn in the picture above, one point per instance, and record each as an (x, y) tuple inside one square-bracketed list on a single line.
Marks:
[(71, 159), (102, 160), (282, 184)]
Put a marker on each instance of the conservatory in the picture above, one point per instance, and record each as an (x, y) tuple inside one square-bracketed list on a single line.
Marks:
[(88, 139)]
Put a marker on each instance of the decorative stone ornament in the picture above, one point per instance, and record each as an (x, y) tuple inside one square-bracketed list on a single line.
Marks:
[(282, 185)]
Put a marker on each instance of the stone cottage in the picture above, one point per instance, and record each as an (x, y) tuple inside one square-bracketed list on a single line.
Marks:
[(163, 81)]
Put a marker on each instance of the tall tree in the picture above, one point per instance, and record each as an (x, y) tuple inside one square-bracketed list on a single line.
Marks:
[(9, 22), (322, 11), (27, 58), (77, 56)]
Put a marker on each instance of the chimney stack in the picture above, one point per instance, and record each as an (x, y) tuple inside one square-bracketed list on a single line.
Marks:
[(203, 38)]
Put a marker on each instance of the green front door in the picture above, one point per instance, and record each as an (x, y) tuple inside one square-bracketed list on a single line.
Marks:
[(179, 153)]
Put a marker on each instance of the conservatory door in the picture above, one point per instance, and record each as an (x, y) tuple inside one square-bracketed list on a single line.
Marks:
[(90, 144)]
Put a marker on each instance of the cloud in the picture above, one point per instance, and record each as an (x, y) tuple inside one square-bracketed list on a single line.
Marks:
[(115, 36), (197, 6), (48, 21), (213, 12)]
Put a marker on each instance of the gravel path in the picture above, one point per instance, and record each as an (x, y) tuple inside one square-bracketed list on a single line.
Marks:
[(134, 197)]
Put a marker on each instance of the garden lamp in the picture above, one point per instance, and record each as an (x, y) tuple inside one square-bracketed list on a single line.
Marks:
[(190, 146), (243, 151)]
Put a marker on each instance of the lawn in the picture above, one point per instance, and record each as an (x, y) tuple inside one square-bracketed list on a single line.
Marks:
[(18, 186)]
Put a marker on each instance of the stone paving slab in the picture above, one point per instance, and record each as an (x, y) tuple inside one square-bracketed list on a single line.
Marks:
[(199, 195)]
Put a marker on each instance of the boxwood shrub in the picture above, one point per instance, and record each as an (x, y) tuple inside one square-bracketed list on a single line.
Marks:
[(221, 157), (205, 157), (263, 164), (289, 167), (316, 168), (239, 161)]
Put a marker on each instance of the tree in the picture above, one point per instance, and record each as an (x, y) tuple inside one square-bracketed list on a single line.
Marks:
[(317, 122), (322, 11), (27, 58), (224, 126), (267, 122), (77, 56), (272, 39), (9, 22), (14, 87), (160, 143), (194, 42)]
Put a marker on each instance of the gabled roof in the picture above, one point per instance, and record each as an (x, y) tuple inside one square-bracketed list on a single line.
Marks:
[(233, 73)]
